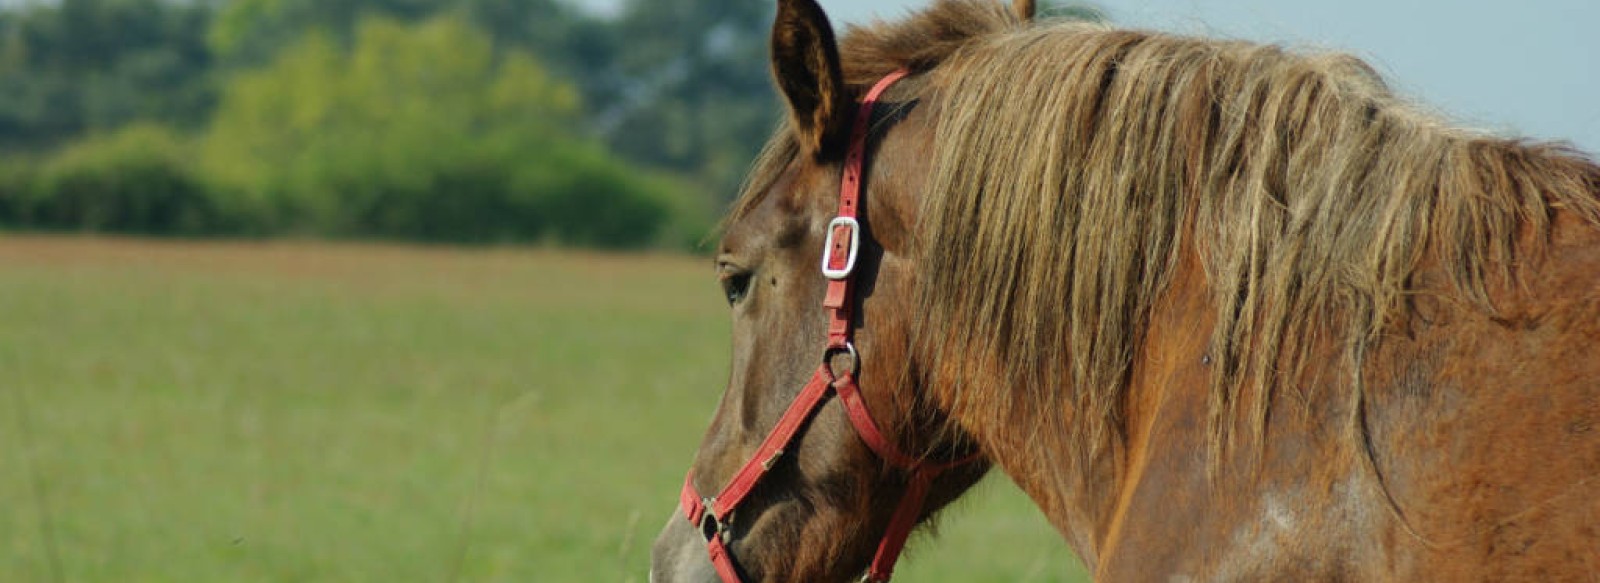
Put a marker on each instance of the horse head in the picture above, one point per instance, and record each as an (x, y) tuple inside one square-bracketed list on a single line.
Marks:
[(851, 474)]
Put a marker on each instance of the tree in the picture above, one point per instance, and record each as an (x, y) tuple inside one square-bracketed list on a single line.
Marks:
[(252, 32), (82, 66), (694, 94), (421, 131), (576, 46)]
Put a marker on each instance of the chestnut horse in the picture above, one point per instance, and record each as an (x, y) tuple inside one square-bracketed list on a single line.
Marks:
[(1223, 311)]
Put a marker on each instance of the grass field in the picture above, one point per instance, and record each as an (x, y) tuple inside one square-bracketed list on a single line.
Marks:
[(203, 412)]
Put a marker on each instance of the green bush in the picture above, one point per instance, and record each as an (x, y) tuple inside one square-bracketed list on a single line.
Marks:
[(582, 196), (138, 180)]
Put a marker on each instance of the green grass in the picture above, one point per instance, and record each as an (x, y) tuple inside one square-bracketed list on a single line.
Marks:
[(296, 412)]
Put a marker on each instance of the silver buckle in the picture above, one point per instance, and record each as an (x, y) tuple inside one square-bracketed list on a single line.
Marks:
[(827, 248)]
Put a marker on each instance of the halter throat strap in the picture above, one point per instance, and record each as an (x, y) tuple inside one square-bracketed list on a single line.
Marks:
[(713, 515)]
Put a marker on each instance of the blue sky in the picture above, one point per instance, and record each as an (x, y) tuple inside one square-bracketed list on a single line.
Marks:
[(1525, 68)]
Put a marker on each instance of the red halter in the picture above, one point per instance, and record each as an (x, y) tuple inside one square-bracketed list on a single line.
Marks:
[(712, 515)]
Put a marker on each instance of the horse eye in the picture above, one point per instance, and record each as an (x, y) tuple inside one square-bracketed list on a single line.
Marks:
[(736, 286)]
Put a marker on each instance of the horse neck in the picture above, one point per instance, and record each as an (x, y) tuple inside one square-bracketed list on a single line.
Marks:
[(1086, 500)]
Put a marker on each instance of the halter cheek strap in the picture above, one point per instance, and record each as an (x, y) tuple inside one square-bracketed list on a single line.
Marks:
[(712, 515)]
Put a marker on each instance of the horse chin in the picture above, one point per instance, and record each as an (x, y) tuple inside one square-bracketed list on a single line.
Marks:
[(679, 555)]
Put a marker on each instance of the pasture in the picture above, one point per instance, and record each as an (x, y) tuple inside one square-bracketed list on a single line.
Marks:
[(332, 412)]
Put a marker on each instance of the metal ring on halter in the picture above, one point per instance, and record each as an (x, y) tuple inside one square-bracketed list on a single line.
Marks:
[(710, 526), (848, 348)]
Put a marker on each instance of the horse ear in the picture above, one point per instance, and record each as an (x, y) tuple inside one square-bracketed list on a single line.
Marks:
[(1025, 9), (805, 62)]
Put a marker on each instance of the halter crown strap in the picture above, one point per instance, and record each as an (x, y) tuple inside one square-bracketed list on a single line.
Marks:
[(844, 233), (712, 515)]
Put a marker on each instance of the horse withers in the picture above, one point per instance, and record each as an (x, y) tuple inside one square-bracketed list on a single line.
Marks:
[(1224, 311)]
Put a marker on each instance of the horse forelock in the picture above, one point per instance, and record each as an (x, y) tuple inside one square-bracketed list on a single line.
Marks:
[(922, 41), (1074, 162)]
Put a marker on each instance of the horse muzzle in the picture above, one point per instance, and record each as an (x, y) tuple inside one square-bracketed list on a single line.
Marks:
[(679, 555)]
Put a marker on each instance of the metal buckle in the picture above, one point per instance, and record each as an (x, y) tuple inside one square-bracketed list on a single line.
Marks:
[(827, 248)]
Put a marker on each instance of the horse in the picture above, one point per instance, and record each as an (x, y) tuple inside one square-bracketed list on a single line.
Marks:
[(1222, 310)]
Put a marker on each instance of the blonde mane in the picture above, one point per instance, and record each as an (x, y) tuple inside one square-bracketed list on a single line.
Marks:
[(1075, 164)]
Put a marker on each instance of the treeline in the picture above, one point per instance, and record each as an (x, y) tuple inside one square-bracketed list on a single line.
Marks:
[(440, 120)]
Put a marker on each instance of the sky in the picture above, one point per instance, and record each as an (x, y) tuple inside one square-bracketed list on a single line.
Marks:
[(1528, 68)]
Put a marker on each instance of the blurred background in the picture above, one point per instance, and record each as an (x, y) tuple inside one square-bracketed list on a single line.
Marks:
[(480, 121), (411, 290)]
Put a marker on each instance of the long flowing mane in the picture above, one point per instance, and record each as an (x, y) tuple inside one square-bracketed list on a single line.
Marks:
[(1075, 165)]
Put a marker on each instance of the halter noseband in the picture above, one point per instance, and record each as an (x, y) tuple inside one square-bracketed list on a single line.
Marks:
[(712, 515)]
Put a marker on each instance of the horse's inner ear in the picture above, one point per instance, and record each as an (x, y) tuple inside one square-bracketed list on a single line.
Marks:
[(1025, 9), (805, 61)]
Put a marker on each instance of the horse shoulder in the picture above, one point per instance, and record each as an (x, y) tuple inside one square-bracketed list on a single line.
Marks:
[(1485, 429)]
